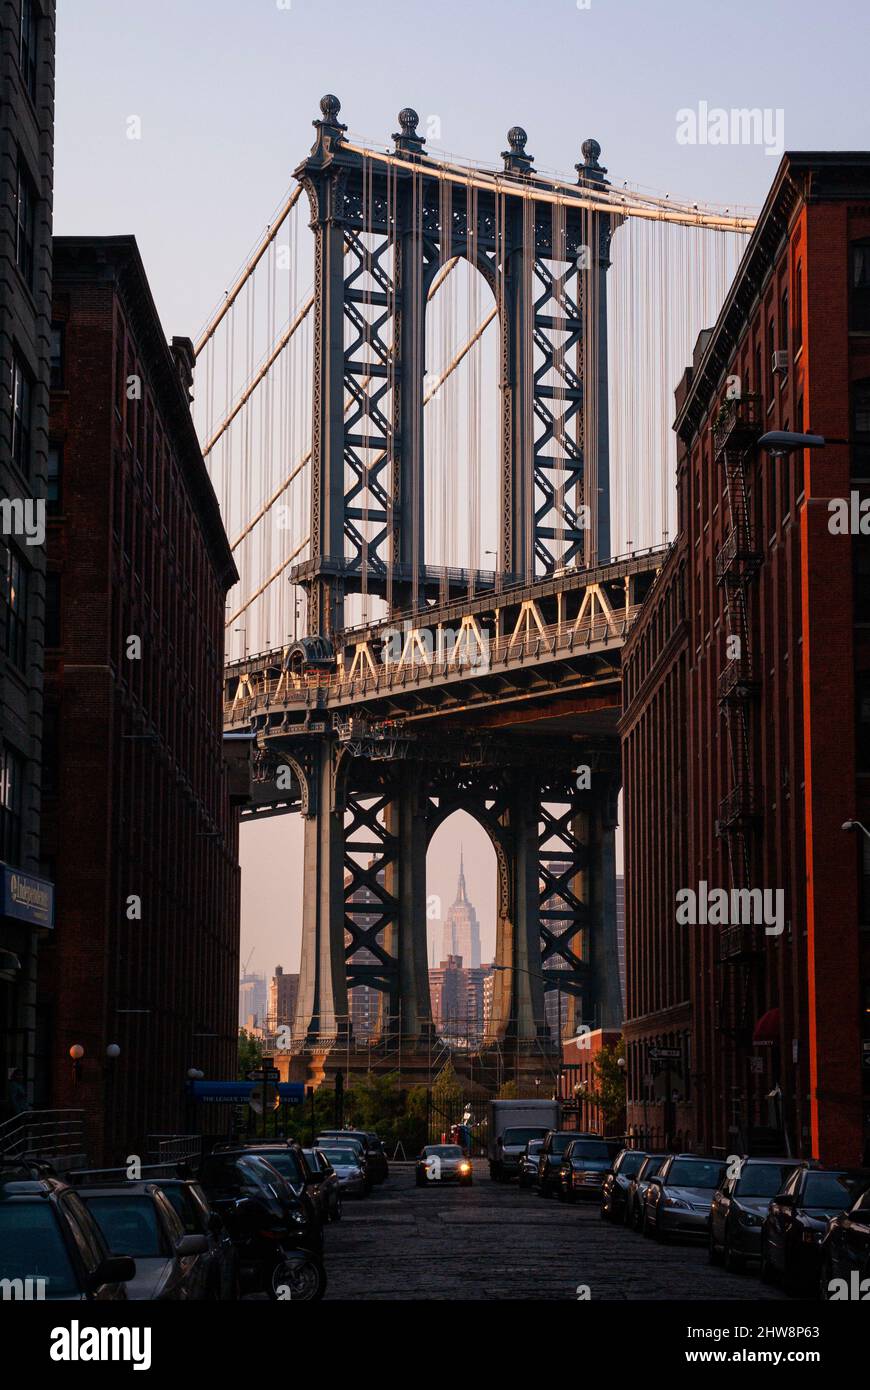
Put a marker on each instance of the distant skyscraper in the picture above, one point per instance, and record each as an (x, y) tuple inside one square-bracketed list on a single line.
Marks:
[(461, 935)]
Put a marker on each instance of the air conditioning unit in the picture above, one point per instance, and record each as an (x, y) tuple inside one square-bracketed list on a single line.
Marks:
[(779, 362)]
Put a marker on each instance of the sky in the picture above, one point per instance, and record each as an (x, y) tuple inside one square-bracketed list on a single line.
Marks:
[(225, 92)]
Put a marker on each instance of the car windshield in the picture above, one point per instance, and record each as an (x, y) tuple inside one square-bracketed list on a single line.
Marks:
[(32, 1247), (693, 1172), (832, 1189), (589, 1148), (443, 1150), (129, 1225), (651, 1165), (522, 1136), (763, 1179), (185, 1207), (286, 1162), (631, 1163), (353, 1144), (560, 1142), (534, 1146), (341, 1158)]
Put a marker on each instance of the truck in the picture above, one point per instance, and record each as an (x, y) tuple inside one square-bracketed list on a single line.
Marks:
[(512, 1123)]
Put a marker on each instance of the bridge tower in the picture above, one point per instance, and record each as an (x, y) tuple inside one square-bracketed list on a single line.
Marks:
[(385, 226)]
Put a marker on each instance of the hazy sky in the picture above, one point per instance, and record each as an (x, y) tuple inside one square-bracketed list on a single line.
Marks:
[(226, 91)]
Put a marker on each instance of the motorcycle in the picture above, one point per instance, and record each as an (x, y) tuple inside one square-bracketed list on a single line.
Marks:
[(269, 1259)]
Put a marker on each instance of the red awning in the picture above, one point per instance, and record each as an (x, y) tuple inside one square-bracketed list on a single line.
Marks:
[(767, 1029)]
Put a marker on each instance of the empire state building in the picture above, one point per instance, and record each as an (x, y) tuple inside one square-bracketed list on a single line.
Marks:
[(461, 936)]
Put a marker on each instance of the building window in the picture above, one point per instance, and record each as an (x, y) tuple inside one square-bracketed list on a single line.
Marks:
[(22, 408), (25, 223), (860, 403), (28, 45), (55, 380), (52, 609), (798, 308), (53, 478), (771, 348), (859, 285), (783, 321), (13, 606), (11, 779), (759, 382)]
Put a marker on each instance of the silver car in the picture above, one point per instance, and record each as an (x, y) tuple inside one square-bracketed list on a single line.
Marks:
[(348, 1169), (677, 1200)]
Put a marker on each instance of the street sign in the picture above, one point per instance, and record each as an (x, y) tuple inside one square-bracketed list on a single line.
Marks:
[(263, 1074), (665, 1054)]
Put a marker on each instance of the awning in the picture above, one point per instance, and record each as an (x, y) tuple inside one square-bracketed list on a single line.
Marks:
[(767, 1029)]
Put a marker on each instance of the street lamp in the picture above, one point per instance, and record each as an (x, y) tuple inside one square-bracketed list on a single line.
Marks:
[(113, 1051), (855, 825)]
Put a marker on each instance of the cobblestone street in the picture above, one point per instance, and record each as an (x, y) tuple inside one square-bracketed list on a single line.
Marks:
[(492, 1241)]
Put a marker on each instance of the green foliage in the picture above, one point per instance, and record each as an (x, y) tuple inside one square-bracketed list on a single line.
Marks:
[(508, 1090), (608, 1088), (250, 1053)]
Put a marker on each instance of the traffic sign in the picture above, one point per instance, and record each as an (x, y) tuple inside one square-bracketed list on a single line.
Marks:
[(263, 1074), (665, 1054)]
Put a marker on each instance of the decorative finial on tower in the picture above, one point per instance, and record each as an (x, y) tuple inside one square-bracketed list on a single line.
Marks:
[(461, 892), (590, 171), (409, 141), (516, 161), (329, 128)]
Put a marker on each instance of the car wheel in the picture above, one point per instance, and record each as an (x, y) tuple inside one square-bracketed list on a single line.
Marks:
[(714, 1254), (646, 1227), (336, 1211)]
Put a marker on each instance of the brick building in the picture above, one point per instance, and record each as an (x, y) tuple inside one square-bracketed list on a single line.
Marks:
[(26, 348), (756, 635), (138, 815)]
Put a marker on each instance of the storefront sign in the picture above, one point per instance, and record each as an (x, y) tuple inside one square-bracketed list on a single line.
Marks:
[(27, 898)]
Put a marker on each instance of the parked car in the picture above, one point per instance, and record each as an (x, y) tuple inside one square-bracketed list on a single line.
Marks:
[(355, 1144), (528, 1163), (278, 1252), (137, 1219), (289, 1160), (550, 1158), (443, 1163), (48, 1236), (348, 1169), (373, 1149), (740, 1205), (797, 1219), (220, 1265), (614, 1192), (585, 1164), (677, 1197), (637, 1186), (324, 1185), (844, 1254)]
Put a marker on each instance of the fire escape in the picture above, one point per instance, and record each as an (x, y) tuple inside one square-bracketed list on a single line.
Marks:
[(735, 432)]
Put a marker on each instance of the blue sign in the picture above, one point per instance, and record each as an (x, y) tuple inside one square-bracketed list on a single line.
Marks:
[(28, 898), (240, 1092)]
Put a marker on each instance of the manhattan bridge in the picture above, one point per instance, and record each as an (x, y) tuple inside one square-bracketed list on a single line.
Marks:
[(436, 418)]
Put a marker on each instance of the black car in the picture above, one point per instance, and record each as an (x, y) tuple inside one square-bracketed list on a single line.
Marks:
[(527, 1168), (324, 1185), (740, 1205), (585, 1164), (219, 1264), (844, 1254), (797, 1219), (637, 1186), (137, 1219), (289, 1159), (626, 1165), (50, 1245), (556, 1142)]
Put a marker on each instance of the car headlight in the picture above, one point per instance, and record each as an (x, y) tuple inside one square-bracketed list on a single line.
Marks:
[(748, 1218), (465, 1167), (298, 1218), (676, 1202)]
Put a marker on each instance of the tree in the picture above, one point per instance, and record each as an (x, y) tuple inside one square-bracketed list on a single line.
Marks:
[(608, 1086), (250, 1053)]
